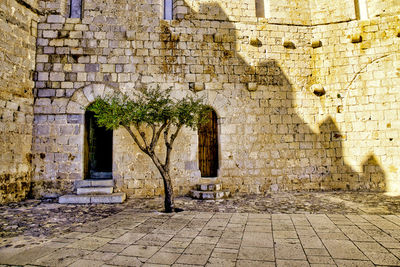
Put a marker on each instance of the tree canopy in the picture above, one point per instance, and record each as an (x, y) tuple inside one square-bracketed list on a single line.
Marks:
[(154, 109)]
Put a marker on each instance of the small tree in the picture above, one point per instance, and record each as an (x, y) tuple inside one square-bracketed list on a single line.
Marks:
[(148, 115)]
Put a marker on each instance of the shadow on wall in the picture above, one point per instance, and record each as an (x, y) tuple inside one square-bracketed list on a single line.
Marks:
[(317, 162)]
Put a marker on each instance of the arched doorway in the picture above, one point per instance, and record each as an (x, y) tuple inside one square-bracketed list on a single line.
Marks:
[(208, 146), (98, 149)]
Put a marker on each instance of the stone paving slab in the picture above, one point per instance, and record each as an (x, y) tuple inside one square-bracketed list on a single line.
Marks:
[(126, 236)]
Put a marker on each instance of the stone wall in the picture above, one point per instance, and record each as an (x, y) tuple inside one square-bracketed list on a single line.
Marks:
[(258, 74), (18, 27)]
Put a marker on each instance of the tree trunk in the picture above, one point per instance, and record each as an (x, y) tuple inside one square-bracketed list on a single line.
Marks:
[(169, 193), (168, 190)]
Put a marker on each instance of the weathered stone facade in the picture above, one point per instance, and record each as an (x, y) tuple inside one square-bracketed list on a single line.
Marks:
[(18, 27), (307, 98)]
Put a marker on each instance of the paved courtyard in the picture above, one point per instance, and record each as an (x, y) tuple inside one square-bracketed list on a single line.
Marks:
[(285, 229)]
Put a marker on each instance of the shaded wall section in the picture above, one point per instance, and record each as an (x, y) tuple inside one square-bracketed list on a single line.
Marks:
[(18, 28)]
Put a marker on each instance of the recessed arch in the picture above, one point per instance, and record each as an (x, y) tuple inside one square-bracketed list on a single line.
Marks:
[(84, 96), (208, 150), (77, 104)]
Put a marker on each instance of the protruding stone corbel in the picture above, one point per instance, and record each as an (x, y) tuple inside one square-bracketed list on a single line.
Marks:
[(356, 38), (318, 89), (130, 35), (196, 87), (252, 87), (315, 43), (218, 38), (254, 41), (288, 44)]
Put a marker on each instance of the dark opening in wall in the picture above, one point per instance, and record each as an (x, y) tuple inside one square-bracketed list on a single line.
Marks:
[(98, 149), (262, 8), (168, 9), (361, 9), (75, 9)]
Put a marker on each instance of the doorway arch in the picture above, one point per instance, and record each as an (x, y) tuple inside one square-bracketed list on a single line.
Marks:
[(208, 146), (98, 149)]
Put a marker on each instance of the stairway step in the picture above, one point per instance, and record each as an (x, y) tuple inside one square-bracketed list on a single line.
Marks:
[(94, 183), (209, 187), (197, 194), (92, 199), (94, 190)]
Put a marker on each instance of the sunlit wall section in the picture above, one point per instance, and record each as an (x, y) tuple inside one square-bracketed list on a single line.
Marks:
[(356, 65)]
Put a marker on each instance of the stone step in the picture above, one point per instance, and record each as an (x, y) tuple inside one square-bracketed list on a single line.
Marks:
[(92, 199), (209, 187), (94, 190), (209, 194), (94, 183)]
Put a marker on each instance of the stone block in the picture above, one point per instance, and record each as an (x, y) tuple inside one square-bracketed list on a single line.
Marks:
[(75, 108), (73, 20), (94, 190), (57, 76), (94, 183), (42, 58), (50, 34), (55, 19), (43, 76), (80, 97), (113, 198), (74, 199), (88, 92), (92, 67), (78, 119), (98, 90)]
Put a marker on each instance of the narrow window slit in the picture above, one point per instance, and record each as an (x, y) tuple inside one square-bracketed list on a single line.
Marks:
[(75, 9), (262, 8), (168, 9), (361, 9)]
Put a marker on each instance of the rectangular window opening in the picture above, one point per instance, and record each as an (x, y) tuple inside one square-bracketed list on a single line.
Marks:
[(361, 9), (75, 9), (168, 9), (262, 9)]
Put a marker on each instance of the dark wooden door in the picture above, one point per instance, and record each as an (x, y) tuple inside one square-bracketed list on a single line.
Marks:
[(208, 146)]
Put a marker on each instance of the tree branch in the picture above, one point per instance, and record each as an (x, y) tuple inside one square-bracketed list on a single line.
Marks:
[(168, 144), (156, 137), (142, 134), (179, 127), (153, 133), (132, 134)]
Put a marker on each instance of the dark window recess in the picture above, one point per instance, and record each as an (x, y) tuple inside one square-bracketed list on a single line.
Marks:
[(98, 149), (260, 11), (168, 9), (208, 146), (75, 9)]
